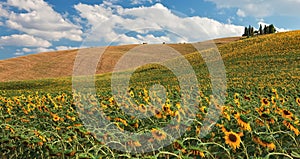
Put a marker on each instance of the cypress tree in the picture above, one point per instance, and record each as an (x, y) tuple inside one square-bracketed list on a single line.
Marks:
[(266, 30), (245, 32), (260, 30)]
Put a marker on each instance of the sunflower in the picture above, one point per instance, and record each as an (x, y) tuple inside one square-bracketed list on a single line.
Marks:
[(237, 102), (265, 102), (196, 152), (178, 106), (291, 127), (131, 93), (134, 144), (242, 121), (269, 145), (273, 101), (179, 146), (70, 118), (267, 118), (158, 134), (225, 113), (287, 114), (203, 109), (224, 130), (236, 96), (124, 122), (142, 108), (298, 101), (176, 114), (55, 117), (166, 108), (157, 114), (146, 99), (111, 100), (282, 100), (270, 120), (247, 98), (262, 110), (232, 139)]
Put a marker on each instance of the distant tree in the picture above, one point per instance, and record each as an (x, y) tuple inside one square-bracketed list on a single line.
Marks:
[(251, 30), (266, 30), (260, 30), (272, 29), (245, 32)]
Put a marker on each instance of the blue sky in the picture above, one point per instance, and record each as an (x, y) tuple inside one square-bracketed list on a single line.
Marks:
[(32, 26)]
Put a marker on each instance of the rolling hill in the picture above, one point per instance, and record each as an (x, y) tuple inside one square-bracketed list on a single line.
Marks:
[(60, 63)]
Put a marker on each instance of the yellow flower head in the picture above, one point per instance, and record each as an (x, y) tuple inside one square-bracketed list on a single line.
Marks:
[(298, 101), (232, 139), (142, 108), (158, 134), (265, 102), (55, 117), (241, 121)]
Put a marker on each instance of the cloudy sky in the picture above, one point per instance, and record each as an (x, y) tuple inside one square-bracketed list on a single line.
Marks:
[(31, 26)]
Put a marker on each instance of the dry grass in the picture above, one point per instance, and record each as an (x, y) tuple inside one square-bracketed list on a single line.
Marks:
[(60, 63)]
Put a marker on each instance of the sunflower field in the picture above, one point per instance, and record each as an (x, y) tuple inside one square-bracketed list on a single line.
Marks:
[(260, 117)]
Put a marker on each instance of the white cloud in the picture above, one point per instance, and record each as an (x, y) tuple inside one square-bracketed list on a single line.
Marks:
[(35, 50), (261, 8), (143, 1), (42, 49), (240, 13), (26, 50), (39, 19), (277, 29), (23, 40), (111, 22), (4, 13), (18, 53), (65, 48)]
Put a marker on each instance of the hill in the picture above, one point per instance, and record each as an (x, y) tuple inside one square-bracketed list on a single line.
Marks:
[(263, 60), (60, 63)]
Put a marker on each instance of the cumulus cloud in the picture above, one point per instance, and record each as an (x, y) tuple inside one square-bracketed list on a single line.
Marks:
[(35, 50), (143, 1), (267, 24), (240, 13), (23, 40), (4, 13), (65, 48), (261, 8), (38, 18), (113, 23)]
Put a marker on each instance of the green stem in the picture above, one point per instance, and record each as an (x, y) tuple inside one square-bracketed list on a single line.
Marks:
[(274, 153)]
